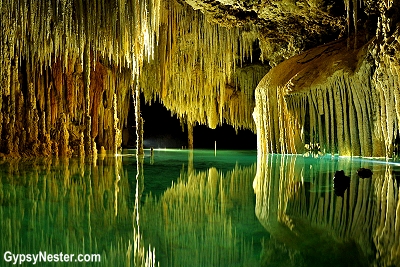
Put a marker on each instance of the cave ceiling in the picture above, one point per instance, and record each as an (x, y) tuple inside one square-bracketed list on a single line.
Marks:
[(288, 27)]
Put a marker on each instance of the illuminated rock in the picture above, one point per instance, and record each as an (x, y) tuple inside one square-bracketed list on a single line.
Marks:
[(334, 97), (202, 60)]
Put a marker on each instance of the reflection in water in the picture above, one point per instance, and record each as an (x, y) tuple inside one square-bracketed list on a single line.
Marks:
[(141, 256), (94, 207), (206, 218), (312, 226), (194, 222), (69, 206)]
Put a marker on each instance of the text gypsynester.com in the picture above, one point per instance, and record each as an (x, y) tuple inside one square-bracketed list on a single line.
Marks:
[(47, 257)]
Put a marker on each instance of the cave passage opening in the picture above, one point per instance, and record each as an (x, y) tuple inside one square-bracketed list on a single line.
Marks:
[(161, 129)]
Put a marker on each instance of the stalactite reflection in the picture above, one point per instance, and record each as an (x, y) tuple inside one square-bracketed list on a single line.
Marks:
[(196, 221), (297, 205), (73, 205), (70, 206)]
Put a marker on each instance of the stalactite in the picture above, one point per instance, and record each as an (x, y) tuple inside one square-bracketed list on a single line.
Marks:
[(101, 125), (63, 137), (88, 117), (340, 123), (70, 89), (81, 151), (62, 43), (340, 99), (48, 106), (94, 150), (190, 135), (116, 129), (199, 68), (71, 46), (351, 7), (347, 7), (55, 149), (96, 93), (139, 123), (355, 15), (32, 116)]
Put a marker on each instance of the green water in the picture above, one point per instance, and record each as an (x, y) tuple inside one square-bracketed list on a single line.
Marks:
[(199, 209), (166, 165)]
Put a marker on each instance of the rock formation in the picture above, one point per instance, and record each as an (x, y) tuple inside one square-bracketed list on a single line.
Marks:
[(341, 97), (71, 67)]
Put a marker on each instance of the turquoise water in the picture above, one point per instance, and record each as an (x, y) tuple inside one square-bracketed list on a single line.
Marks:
[(166, 165), (200, 209)]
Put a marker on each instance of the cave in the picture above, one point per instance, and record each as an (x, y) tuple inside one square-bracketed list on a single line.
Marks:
[(71, 72), (200, 132)]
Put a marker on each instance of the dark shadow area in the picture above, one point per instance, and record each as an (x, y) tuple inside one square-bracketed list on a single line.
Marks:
[(225, 138), (161, 130)]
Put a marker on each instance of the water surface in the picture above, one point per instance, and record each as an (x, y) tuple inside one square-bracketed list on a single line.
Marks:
[(182, 208)]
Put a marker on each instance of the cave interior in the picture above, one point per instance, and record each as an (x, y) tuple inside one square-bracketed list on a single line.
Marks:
[(295, 76)]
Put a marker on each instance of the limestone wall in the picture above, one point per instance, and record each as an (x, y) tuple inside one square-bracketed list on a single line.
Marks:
[(337, 98)]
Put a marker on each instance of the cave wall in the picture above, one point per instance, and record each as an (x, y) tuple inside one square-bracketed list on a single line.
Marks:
[(46, 111), (68, 68), (326, 100), (342, 98)]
